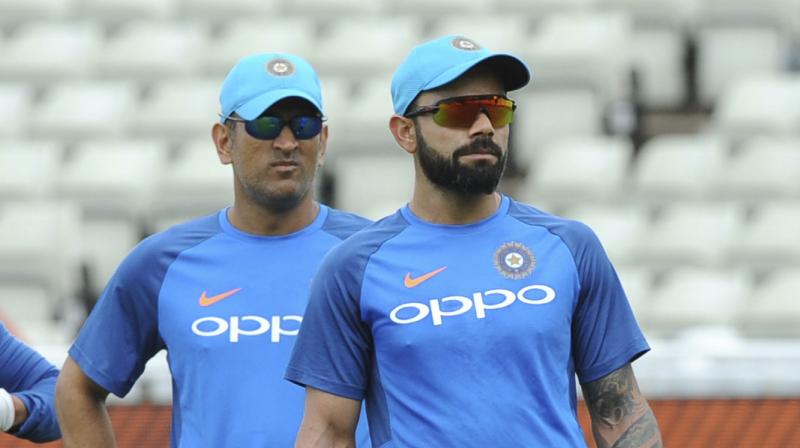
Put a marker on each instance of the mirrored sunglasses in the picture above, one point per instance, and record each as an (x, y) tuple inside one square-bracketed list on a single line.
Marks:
[(462, 111), (267, 127)]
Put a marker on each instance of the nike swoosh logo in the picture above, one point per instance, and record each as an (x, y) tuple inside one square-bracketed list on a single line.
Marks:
[(206, 301), (412, 282)]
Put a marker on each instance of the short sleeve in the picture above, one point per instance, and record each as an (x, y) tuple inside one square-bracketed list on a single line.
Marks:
[(333, 347), (121, 333), (604, 329)]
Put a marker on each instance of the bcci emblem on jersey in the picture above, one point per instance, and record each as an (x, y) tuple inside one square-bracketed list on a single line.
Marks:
[(514, 260)]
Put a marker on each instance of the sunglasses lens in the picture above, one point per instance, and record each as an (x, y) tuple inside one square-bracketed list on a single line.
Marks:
[(264, 128), (306, 127), (462, 114)]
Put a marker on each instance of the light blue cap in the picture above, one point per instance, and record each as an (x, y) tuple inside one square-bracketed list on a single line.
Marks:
[(258, 81), (437, 62)]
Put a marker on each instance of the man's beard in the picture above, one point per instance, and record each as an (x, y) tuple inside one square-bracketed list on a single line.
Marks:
[(480, 177)]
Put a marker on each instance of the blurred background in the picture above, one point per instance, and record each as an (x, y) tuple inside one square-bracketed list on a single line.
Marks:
[(671, 127)]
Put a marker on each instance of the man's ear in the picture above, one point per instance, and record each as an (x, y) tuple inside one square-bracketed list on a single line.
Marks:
[(323, 145), (404, 132), (223, 140)]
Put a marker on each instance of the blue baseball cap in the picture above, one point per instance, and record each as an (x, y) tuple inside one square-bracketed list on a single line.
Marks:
[(258, 81), (437, 62)]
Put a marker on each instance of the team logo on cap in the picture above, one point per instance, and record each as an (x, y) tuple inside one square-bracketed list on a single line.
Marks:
[(280, 67), (462, 43), (514, 260)]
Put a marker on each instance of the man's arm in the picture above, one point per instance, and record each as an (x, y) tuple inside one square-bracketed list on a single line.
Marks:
[(81, 408), (621, 417), (329, 421)]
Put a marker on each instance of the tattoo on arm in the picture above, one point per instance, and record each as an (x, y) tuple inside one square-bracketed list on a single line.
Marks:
[(621, 417)]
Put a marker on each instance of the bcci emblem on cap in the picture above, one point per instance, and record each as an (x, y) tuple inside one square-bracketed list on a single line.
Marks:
[(514, 260)]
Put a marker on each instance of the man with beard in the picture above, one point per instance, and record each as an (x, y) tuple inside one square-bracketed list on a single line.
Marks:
[(463, 318), (223, 294)]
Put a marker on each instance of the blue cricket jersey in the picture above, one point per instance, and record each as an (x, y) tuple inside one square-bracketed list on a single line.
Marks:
[(467, 335), (29, 376), (227, 306)]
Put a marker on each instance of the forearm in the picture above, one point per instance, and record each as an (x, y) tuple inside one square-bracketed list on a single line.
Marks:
[(81, 408), (621, 417), (20, 411), (315, 436), (84, 420)]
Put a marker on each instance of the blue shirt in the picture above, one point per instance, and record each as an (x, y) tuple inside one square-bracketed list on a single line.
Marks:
[(27, 375), (467, 335), (227, 306)]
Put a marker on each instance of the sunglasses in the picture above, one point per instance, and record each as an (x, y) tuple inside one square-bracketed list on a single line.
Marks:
[(267, 127), (462, 111)]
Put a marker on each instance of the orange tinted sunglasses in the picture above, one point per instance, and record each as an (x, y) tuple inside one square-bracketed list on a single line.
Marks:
[(462, 111)]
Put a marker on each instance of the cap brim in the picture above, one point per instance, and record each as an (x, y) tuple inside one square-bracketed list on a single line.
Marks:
[(255, 107), (514, 73)]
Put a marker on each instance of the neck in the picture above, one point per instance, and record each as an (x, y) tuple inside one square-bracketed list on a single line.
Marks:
[(440, 206), (258, 220)]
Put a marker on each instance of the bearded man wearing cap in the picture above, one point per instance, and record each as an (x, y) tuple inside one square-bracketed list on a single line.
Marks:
[(223, 294), (464, 318)]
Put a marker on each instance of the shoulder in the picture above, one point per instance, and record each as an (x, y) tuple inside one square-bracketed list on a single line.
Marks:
[(161, 249), (575, 234), (342, 224), (362, 244)]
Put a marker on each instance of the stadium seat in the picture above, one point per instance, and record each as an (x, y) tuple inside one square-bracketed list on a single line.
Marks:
[(105, 243), (638, 285), (179, 109), (679, 167), (773, 309), (580, 168), (584, 46), (116, 10), (548, 113), (75, 110), (44, 51), (337, 102), (113, 178), (17, 11), (28, 168), (693, 297), (443, 9), (373, 185), (229, 9), (693, 233), (541, 8), (24, 306), (194, 184), (658, 57), (770, 237), (363, 124), (343, 50), (325, 9), (759, 105), (153, 50), (41, 245), (764, 168), (239, 38), (620, 228), (503, 33), (17, 100), (729, 51)]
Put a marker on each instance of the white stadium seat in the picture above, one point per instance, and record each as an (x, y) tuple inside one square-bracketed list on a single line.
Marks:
[(229, 9), (116, 178), (243, 37), (105, 243), (28, 168), (620, 228), (580, 168), (679, 166), (16, 11), (694, 297), (179, 109), (759, 105), (373, 185), (75, 110), (15, 115), (153, 50), (325, 9), (764, 168), (771, 237), (442, 9), (195, 183), (693, 233), (774, 306), (344, 50), (638, 285), (127, 9), (362, 125), (45, 51), (658, 57)]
